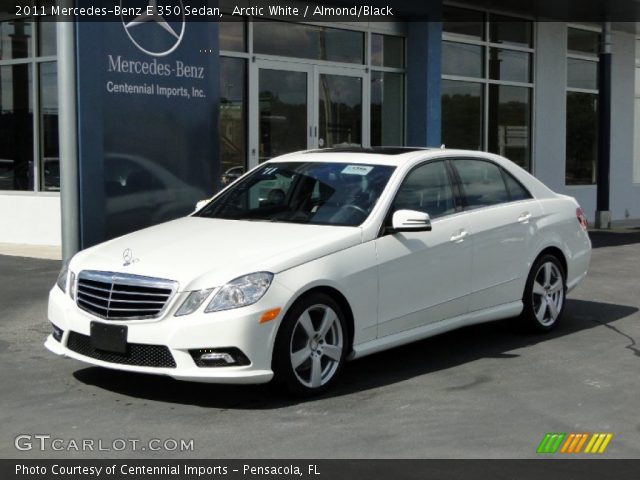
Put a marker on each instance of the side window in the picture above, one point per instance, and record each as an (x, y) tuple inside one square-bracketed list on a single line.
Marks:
[(426, 189), (516, 190), (482, 183)]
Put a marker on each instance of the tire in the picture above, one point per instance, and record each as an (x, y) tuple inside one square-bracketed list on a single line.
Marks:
[(311, 345), (544, 295)]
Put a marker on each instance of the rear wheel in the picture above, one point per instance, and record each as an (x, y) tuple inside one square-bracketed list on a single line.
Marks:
[(311, 345), (544, 294)]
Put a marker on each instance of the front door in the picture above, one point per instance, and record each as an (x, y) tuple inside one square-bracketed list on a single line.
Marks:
[(424, 277), (299, 106)]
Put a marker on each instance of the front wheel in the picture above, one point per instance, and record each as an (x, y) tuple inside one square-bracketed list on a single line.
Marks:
[(311, 345), (544, 294)]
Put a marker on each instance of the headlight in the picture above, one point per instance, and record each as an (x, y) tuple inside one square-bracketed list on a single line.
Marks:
[(63, 276), (193, 301), (241, 292)]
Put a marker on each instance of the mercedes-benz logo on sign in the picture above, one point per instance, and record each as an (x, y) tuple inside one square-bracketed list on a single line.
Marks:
[(168, 19)]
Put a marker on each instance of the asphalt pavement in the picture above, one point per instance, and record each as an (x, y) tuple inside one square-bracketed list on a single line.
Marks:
[(486, 391)]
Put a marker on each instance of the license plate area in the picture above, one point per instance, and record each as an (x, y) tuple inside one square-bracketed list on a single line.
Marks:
[(109, 338)]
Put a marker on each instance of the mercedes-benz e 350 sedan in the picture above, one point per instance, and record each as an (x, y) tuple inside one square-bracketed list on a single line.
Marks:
[(318, 257)]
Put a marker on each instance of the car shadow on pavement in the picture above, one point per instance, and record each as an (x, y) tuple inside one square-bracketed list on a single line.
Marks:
[(491, 340), (614, 238)]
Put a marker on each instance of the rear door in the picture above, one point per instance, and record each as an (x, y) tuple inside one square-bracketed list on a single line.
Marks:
[(501, 216), (424, 277)]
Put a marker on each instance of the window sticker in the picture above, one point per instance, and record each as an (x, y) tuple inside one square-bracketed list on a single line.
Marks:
[(357, 170)]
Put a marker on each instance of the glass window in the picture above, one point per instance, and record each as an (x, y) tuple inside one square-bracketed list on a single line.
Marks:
[(16, 127), (50, 163), (233, 121), (582, 133), (515, 188), (47, 40), (308, 41), (426, 189), (462, 114), (582, 73), (283, 112), (462, 59), (387, 109), (510, 65), (339, 111), (316, 193), (510, 31), (510, 123), (582, 41), (459, 21), (482, 183), (15, 39), (232, 35), (387, 51)]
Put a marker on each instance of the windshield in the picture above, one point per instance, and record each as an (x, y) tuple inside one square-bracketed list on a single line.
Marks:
[(303, 192)]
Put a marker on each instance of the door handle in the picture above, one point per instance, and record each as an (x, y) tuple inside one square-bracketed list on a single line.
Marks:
[(524, 217), (459, 236)]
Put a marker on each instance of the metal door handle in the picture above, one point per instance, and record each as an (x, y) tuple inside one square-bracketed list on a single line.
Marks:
[(459, 236), (524, 217)]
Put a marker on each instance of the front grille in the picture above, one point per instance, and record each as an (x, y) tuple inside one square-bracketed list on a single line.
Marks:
[(121, 296), (138, 354)]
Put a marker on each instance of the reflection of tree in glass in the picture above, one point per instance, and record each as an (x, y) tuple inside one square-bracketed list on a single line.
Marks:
[(461, 121)]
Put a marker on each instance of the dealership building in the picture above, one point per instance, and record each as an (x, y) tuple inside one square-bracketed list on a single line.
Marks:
[(112, 125)]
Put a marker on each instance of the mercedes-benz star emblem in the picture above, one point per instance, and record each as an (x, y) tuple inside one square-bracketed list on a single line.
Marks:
[(151, 13), (127, 257)]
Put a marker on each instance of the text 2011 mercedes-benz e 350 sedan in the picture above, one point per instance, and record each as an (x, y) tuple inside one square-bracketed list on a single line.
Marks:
[(318, 257)]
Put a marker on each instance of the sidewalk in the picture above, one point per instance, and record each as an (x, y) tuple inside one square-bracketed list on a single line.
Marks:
[(48, 252)]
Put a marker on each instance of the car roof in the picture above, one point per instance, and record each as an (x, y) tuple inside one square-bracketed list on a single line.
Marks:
[(393, 156), (407, 157)]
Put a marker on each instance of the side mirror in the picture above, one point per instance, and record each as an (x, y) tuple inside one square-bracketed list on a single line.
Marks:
[(410, 221)]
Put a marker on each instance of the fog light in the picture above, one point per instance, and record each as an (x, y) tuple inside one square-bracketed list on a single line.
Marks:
[(216, 356), (57, 333), (219, 357)]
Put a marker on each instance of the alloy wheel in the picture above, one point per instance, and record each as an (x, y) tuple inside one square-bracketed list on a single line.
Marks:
[(548, 293), (316, 346)]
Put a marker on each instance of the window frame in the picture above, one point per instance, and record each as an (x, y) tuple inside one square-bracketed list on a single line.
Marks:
[(387, 219), (503, 171), (586, 57), (367, 68), (485, 80), (34, 61)]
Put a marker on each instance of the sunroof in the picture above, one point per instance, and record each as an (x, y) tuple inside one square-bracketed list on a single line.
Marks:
[(377, 150)]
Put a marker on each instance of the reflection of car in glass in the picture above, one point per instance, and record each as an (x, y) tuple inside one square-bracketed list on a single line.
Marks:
[(139, 193), (231, 175), (315, 258)]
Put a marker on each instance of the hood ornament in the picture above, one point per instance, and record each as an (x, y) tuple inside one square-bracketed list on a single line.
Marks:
[(127, 257)]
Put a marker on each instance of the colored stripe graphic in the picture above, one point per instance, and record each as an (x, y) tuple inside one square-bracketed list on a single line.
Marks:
[(550, 442), (598, 443), (572, 443)]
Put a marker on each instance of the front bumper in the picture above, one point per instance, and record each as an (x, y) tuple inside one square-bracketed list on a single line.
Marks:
[(239, 328)]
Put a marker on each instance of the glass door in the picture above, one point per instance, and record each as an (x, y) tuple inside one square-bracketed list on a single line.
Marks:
[(282, 114), (297, 106), (340, 108)]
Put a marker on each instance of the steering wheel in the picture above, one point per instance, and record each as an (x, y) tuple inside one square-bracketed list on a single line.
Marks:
[(356, 208)]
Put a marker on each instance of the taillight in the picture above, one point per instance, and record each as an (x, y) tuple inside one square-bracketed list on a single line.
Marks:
[(582, 220)]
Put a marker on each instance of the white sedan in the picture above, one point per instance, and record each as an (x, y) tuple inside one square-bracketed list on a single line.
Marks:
[(319, 257)]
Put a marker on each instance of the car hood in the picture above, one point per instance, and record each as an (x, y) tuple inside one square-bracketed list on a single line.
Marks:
[(203, 252)]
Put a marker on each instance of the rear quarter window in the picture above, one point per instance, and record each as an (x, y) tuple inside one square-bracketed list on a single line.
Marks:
[(482, 183)]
